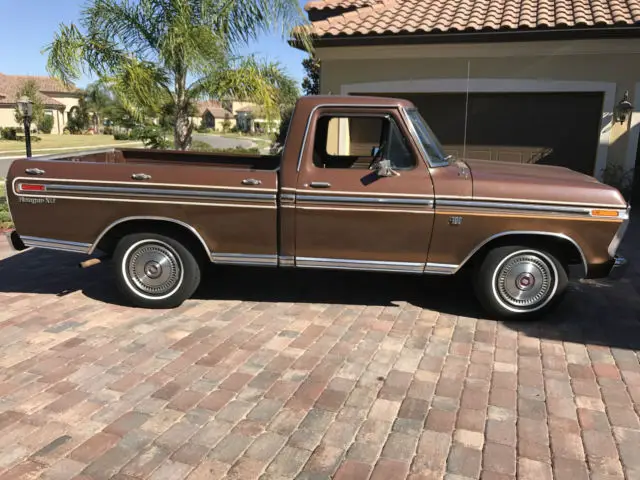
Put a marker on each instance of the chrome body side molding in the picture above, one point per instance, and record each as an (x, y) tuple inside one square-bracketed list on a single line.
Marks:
[(367, 265), (53, 244), (441, 268), (244, 259), (158, 192), (395, 201), (623, 214), (286, 261)]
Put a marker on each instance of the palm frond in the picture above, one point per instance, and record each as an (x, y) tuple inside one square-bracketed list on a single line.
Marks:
[(244, 20)]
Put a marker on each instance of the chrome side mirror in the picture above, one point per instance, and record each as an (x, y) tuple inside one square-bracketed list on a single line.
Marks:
[(384, 169)]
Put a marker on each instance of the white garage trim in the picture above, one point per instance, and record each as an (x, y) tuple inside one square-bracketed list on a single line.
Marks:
[(504, 85), (634, 132)]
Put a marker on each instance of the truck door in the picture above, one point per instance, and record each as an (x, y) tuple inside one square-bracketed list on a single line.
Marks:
[(348, 216)]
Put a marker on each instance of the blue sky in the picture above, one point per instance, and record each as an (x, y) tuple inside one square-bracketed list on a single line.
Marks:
[(28, 26)]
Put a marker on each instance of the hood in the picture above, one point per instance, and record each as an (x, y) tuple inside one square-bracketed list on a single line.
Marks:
[(540, 183)]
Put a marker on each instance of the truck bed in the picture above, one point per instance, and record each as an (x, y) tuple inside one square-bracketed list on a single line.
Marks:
[(229, 199), (138, 156)]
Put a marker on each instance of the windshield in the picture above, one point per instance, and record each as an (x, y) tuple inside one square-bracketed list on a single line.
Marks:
[(428, 139)]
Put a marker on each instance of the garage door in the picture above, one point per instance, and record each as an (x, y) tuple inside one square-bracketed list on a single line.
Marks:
[(547, 128)]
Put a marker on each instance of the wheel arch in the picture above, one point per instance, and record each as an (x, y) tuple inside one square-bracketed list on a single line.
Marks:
[(107, 239), (560, 243)]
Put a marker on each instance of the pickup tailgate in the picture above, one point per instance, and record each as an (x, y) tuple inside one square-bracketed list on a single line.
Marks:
[(73, 202)]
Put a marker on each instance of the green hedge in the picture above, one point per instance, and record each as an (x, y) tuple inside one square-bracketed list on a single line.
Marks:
[(5, 218), (198, 146)]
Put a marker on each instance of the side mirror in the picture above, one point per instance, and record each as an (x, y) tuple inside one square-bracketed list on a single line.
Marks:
[(384, 169)]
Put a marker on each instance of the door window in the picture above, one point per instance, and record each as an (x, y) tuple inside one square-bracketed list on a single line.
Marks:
[(354, 142)]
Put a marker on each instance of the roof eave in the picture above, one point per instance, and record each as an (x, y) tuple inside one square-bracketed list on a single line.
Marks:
[(484, 36)]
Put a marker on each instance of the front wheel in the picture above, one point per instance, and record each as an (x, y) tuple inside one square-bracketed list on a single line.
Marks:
[(155, 271), (519, 282)]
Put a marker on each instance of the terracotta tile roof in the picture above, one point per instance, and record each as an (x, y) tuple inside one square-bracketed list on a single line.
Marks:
[(376, 17), (215, 108), (11, 84)]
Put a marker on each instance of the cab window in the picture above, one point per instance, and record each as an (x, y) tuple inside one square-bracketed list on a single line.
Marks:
[(355, 142)]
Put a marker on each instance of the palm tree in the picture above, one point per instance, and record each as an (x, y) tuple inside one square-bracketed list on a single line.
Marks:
[(99, 101), (164, 55)]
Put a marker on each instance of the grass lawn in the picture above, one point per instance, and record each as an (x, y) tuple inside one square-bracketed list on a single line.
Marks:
[(48, 142)]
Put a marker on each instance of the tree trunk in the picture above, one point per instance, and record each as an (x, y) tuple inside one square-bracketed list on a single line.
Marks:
[(182, 131)]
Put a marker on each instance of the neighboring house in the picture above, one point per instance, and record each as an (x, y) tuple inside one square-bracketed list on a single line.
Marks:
[(251, 118), (58, 99), (520, 80), (211, 114)]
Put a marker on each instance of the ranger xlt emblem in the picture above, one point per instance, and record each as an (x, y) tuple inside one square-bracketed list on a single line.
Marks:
[(455, 220)]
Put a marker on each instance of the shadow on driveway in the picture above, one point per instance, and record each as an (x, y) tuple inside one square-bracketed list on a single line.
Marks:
[(597, 313)]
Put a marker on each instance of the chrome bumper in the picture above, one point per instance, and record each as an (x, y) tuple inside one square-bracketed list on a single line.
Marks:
[(618, 268), (15, 241)]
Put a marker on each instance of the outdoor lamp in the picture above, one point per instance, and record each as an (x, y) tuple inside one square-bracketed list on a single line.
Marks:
[(26, 108), (623, 109)]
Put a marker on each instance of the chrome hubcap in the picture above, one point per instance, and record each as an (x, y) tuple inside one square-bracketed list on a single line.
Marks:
[(154, 268), (524, 281)]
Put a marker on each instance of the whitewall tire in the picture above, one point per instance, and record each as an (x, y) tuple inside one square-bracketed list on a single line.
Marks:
[(155, 271), (519, 281)]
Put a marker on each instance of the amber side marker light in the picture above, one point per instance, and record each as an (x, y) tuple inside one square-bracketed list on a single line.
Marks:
[(604, 213)]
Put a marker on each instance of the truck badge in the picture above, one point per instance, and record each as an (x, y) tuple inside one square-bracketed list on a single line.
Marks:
[(455, 220)]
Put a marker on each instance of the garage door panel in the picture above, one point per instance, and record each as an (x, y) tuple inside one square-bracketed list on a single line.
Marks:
[(546, 128)]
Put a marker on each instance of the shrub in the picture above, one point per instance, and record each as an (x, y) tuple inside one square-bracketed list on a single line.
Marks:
[(198, 146), (9, 133), (5, 218), (281, 135), (618, 177), (46, 124), (226, 126), (152, 137), (121, 136), (107, 131)]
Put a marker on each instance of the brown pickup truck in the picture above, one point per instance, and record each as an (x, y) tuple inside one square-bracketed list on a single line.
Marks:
[(361, 184)]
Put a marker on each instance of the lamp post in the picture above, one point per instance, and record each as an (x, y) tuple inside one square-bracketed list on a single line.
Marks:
[(26, 108)]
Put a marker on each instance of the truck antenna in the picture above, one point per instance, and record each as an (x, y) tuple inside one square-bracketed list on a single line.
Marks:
[(466, 112)]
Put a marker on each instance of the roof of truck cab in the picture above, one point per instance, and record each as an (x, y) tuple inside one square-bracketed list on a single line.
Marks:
[(355, 100)]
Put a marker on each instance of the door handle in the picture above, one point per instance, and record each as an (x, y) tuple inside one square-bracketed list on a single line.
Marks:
[(34, 171), (141, 176), (251, 181), (320, 185)]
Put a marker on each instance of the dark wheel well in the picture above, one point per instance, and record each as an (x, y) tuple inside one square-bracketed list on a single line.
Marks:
[(109, 241), (565, 251)]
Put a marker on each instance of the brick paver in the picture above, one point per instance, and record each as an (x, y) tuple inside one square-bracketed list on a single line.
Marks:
[(312, 375)]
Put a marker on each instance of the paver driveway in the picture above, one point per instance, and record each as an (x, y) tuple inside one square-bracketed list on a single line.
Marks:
[(280, 375)]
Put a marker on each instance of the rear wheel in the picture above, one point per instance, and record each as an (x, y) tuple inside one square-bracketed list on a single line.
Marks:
[(519, 282), (155, 271)]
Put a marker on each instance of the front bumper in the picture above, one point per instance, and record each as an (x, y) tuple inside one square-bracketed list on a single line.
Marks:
[(15, 241), (614, 269), (619, 267)]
